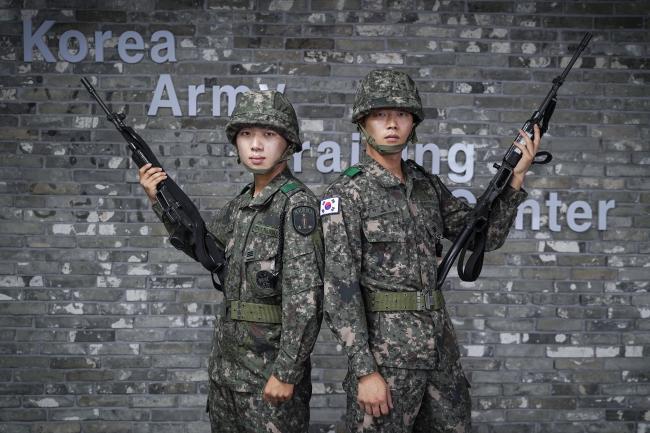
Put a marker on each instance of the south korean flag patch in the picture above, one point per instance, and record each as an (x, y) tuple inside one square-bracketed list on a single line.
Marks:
[(329, 206)]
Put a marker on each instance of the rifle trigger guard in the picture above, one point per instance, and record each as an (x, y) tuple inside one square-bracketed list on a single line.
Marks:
[(542, 153)]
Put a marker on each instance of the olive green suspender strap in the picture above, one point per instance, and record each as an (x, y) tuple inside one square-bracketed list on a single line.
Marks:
[(266, 313)]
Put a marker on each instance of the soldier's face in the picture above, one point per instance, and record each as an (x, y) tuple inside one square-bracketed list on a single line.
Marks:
[(260, 148), (389, 126)]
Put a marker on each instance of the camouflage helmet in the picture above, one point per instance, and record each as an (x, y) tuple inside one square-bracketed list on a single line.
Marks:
[(268, 108), (386, 88)]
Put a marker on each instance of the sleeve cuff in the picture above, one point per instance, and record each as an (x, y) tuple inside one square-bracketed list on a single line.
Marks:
[(286, 370), (512, 197), (363, 363)]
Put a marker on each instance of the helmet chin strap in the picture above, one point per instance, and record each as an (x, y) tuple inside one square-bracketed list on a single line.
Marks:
[(386, 149)]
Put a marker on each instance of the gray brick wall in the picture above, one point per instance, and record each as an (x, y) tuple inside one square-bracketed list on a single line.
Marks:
[(106, 328)]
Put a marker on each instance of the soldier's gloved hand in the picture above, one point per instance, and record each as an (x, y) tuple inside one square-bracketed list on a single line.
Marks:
[(374, 395), (276, 391), (149, 178)]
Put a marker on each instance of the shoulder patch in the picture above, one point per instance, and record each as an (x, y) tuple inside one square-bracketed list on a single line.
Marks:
[(329, 206), (303, 219), (288, 187), (352, 171)]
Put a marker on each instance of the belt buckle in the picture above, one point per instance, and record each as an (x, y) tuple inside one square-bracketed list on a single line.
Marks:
[(428, 300)]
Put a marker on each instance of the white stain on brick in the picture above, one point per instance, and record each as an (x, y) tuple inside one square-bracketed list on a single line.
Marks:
[(7, 94), (109, 282), (138, 270), (644, 313), (548, 258), (510, 338), (607, 352), (121, 324), (107, 229), (311, 125), (625, 374), (539, 62), (144, 230), (472, 47), (528, 48), (564, 246), (475, 350), (500, 47), (115, 162), (11, 281), (4, 297), (281, 5), (633, 351), (172, 269), (65, 269), (187, 43), (472, 33), (46, 402), (570, 352), (136, 295), (210, 54), (387, 58), (560, 338), (86, 122), (463, 88), (74, 308), (63, 229), (499, 33), (26, 147), (194, 321)]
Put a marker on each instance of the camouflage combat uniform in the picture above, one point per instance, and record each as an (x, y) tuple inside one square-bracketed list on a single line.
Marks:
[(380, 236), (272, 308)]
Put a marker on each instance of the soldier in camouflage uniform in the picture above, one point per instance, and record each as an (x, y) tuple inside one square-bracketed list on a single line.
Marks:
[(383, 220), (272, 309)]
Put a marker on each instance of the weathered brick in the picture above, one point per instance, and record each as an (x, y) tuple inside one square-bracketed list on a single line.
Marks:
[(82, 255)]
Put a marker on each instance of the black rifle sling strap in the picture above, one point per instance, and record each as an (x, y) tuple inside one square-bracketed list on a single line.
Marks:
[(471, 270)]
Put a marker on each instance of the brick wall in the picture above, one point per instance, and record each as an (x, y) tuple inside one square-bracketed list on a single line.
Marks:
[(106, 328)]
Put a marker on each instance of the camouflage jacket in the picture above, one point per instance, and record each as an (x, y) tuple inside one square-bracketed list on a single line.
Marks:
[(245, 354), (380, 235)]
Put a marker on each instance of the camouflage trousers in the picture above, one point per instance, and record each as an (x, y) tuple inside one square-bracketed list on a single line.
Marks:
[(431, 401), (242, 412)]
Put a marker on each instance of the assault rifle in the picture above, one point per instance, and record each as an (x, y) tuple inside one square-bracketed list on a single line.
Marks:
[(190, 234), (475, 231)]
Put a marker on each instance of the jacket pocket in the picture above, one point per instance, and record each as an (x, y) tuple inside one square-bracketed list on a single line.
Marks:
[(262, 266)]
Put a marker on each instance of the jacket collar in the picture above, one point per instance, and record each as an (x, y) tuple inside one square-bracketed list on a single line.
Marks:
[(265, 196)]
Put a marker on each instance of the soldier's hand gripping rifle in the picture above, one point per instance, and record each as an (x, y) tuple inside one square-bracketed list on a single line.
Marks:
[(190, 234), (475, 231)]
